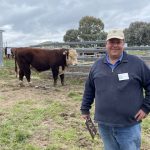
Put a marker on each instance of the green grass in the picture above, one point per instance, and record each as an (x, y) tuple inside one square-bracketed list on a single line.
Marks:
[(28, 123), (76, 96), (5, 73), (77, 81), (146, 124), (54, 147), (9, 63), (138, 52), (23, 120), (8, 70), (1, 98), (68, 134)]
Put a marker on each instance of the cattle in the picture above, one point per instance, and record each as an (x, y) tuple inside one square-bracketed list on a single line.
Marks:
[(42, 60)]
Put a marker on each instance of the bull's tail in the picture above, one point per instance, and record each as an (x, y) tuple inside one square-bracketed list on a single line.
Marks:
[(16, 70)]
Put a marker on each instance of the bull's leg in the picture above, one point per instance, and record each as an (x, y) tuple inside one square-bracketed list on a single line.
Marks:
[(62, 79), (28, 74), (21, 75), (55, 72)]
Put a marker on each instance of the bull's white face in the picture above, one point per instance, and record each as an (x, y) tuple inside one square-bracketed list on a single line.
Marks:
[(72, 57)]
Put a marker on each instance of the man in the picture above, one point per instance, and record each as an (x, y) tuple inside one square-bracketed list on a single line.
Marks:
[(116, 82), (8, 52)]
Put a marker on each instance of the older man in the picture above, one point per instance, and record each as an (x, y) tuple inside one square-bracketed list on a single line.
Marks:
[(116, 82)]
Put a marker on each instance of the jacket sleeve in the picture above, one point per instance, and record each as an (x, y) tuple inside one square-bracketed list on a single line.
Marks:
[(88, 96), (146, 86)]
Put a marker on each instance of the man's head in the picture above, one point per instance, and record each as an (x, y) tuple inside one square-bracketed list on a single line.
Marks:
[(115, 43)]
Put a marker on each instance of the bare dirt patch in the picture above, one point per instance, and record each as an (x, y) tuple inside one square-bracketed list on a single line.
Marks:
[(42, 94)]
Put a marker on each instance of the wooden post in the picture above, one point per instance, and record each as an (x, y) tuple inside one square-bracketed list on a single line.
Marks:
[(1, 47)]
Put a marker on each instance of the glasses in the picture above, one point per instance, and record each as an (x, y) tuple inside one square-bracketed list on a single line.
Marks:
[(115, 42)]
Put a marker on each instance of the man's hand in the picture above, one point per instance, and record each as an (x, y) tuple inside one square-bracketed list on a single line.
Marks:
[(140, 115), (86, 116)]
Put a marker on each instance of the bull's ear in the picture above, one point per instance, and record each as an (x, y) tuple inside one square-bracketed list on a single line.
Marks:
[(65, 52)]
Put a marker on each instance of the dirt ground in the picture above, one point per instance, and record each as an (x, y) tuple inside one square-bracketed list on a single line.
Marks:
[(12, 93), (41, 89)]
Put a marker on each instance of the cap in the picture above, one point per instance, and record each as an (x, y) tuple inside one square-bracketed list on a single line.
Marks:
[(115, 33)]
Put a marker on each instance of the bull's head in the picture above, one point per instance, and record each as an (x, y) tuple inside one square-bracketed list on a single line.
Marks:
[(72, 57)]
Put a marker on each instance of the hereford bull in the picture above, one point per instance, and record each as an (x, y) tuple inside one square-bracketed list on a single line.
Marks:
[(42, 60)]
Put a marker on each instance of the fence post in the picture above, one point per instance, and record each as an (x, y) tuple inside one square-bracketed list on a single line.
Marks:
[(1, 48)]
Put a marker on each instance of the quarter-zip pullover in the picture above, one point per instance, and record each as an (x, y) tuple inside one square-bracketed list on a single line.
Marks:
[(119, 94), (112, 66)]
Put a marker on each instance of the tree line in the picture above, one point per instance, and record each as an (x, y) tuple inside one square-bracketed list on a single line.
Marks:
[(92, 29)]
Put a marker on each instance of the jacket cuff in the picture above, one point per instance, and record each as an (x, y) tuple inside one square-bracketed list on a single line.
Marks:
[(85, 112), (145, 109)]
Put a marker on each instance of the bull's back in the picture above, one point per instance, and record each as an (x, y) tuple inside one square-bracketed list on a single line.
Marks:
[(40, 59)]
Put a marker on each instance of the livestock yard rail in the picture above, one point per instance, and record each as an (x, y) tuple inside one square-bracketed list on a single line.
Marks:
[(88, 52), (87, 56)]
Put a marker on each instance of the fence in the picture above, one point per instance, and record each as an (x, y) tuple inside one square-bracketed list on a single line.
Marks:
[(79, 70), (87, 56)]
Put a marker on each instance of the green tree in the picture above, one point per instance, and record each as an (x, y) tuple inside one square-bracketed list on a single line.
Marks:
[(71, 35), (145, 40), (138, 34), (90, 29)]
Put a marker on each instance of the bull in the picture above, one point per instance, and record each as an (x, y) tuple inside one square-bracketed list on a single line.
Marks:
[(42, 60)]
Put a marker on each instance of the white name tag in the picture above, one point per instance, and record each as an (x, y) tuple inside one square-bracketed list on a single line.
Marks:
[(123, 76)]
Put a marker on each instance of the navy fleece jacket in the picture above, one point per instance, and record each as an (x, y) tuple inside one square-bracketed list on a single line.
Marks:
[(117, 99)]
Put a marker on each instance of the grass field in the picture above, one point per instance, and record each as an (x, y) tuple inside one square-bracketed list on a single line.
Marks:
[(46, 117)]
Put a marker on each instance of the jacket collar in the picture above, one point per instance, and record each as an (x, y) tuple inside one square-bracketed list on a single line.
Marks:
[(124, 59)]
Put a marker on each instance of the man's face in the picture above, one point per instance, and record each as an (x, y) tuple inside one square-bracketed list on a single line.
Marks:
[(115, 47)]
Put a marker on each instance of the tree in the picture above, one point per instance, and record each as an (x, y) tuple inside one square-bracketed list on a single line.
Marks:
[(90, 29), (138, 34), (145, 40), (71, 35)]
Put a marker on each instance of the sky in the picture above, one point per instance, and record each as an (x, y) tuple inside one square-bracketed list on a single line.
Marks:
[(30, 22)]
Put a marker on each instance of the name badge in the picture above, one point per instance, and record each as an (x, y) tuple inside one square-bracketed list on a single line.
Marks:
[(123, 76)]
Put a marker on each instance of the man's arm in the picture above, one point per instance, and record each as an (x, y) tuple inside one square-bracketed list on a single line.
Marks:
[(146, 85), (88, 97)]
